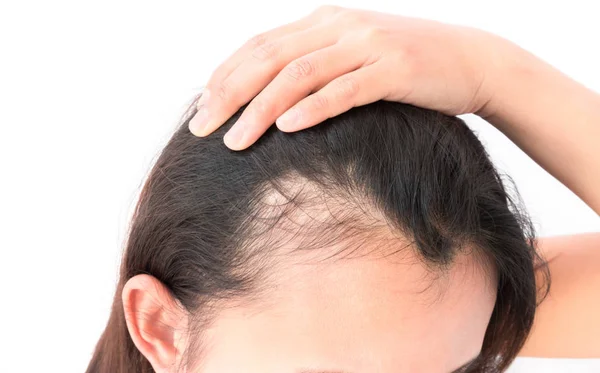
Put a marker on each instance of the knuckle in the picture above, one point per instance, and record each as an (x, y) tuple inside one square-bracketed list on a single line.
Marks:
[(320, 102), (224, 91), (346, 87), (350, 17), (257, 40), (374, 33), (327, 10), (266, 51), (260, 108), (300, 69)]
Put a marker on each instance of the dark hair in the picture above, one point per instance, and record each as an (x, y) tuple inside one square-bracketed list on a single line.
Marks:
[(200, 213)]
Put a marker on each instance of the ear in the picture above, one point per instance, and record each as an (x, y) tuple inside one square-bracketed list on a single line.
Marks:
[(156, 321)]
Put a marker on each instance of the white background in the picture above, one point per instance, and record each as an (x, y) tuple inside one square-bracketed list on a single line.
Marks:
[(90, 92)]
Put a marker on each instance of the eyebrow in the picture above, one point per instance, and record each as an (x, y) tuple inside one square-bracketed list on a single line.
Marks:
[(457, 370)]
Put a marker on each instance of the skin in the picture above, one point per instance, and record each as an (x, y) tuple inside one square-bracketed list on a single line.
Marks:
[(566, 324), (334, 59), (365, 313), (357, 315)]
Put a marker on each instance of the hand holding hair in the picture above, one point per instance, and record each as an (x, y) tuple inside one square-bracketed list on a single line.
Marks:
[(322, 65), (334, 59)]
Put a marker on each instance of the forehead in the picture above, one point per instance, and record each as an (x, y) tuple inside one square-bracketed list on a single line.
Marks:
[(356, 315)]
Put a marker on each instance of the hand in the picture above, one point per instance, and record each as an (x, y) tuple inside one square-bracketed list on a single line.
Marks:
[(334, 59)]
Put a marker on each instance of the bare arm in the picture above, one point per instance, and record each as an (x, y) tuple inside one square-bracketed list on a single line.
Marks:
[(567, 323), (554, 119)]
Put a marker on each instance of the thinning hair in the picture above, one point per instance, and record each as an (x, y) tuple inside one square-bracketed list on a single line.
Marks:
[(205, 213)]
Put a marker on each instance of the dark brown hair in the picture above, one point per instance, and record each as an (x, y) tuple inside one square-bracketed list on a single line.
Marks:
[(427, 173)]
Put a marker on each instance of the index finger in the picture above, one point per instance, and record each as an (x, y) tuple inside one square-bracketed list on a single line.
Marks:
[(233, 61)]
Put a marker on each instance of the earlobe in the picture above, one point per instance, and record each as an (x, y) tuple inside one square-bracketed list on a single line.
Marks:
[(156, 322)]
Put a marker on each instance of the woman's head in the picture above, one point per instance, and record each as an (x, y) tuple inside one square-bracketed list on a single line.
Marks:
[(381, 240)]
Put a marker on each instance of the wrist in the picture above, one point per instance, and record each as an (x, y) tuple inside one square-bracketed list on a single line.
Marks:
[(508, 69)]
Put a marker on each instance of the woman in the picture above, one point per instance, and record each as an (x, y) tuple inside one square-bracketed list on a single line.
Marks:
[(382, 240)]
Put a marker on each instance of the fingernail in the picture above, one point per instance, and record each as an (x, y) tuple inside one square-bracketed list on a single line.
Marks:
[(234, 136), (289, 119), (199, 121)]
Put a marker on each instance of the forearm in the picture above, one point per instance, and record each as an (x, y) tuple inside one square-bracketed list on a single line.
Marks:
[(554, 119)]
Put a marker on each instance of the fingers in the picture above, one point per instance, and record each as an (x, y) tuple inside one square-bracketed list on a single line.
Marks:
[(233, 61), (225, 97), (357, 88), (298, 79)]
